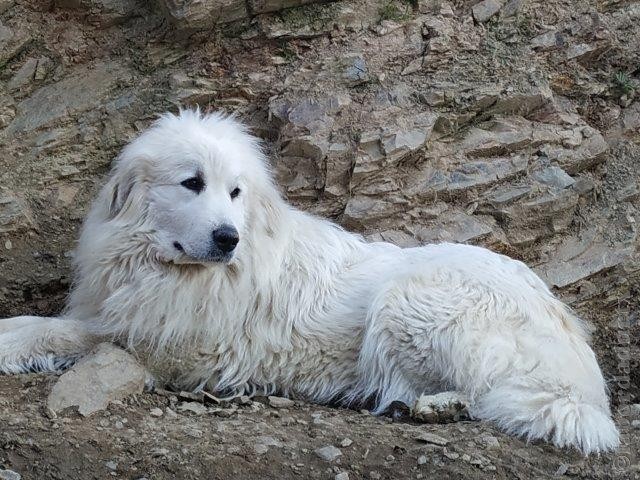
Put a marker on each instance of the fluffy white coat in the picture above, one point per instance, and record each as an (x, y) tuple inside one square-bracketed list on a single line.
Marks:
[(304, 307)]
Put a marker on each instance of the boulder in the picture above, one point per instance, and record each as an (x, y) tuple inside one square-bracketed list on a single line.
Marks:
[(104, 375)]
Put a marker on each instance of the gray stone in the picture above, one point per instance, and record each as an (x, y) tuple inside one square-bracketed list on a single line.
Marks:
[(475, 174), (583, 186), (328, 453), (193, 407), (628, 192), (413, 66), (310, 114), (485, 143), (512, 7), (43, 68), (280, 402), (486, 9), (194, 15), (441, 408), (104, 375), (579, 51), (362, 210), (539, 217), (631, 119), (507, 196), (7, 110), (522, 103), (591, 151), (270, 442), (341, 476), (24, 75), (77, 93), (545, 41), (103, 12), (490, 441), (260, 449), (403, 141), (346, 442), (306, 146), (14, 213), (266, 6), (193, 432), (459, 228), (11, 43), (595, 259), (9, 475), (6, 5), (554, 177), (427, 437), (353, 70)]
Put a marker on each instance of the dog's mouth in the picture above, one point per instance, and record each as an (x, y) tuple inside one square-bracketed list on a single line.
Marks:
[(186, 258)]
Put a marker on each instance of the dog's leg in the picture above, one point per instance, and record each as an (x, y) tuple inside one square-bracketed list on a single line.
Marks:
[(525, 365), (30, 344)]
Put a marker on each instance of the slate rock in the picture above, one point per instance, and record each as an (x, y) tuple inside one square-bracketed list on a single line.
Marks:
[(105, 374)]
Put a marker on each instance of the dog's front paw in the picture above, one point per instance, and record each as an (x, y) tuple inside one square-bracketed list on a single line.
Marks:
[(445, 407)]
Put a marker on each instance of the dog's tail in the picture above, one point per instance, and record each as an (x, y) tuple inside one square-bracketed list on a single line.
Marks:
[(561, 398), (41, 344), (539, 414)]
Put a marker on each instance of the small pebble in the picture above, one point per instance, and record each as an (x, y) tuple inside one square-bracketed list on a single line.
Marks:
[(170, 413), (328, 453), (9, 475), (491, 441), (427, 437), (260, 449), (347, 442), (280, 402)]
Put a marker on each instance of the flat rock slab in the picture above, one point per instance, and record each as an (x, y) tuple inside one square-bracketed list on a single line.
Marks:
[(106, 374)]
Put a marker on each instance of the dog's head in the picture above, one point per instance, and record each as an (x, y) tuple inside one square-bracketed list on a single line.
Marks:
[(192, 180)]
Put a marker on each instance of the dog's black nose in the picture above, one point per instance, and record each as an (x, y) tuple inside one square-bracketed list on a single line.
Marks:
[(226, 238)]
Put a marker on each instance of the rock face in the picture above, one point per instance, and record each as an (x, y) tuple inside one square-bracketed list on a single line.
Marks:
[(203, 15), (508, 124), (106, 374), (198, 15)]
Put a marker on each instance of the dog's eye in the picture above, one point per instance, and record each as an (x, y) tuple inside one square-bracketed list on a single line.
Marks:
[(235, 192), (194, 183)]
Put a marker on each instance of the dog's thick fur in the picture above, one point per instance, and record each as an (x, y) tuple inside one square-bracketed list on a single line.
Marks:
[(303, 307)]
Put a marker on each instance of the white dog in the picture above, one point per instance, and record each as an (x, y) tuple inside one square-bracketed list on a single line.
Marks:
[(192, 260)]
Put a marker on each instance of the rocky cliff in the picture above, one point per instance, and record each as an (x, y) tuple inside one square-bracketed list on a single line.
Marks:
[(510, 124)]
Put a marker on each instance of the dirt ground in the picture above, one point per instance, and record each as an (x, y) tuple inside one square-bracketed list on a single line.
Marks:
[(256, 441)]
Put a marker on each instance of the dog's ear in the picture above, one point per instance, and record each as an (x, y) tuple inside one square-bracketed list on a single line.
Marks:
[(126, 189), (269, 209), (120, 187)]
